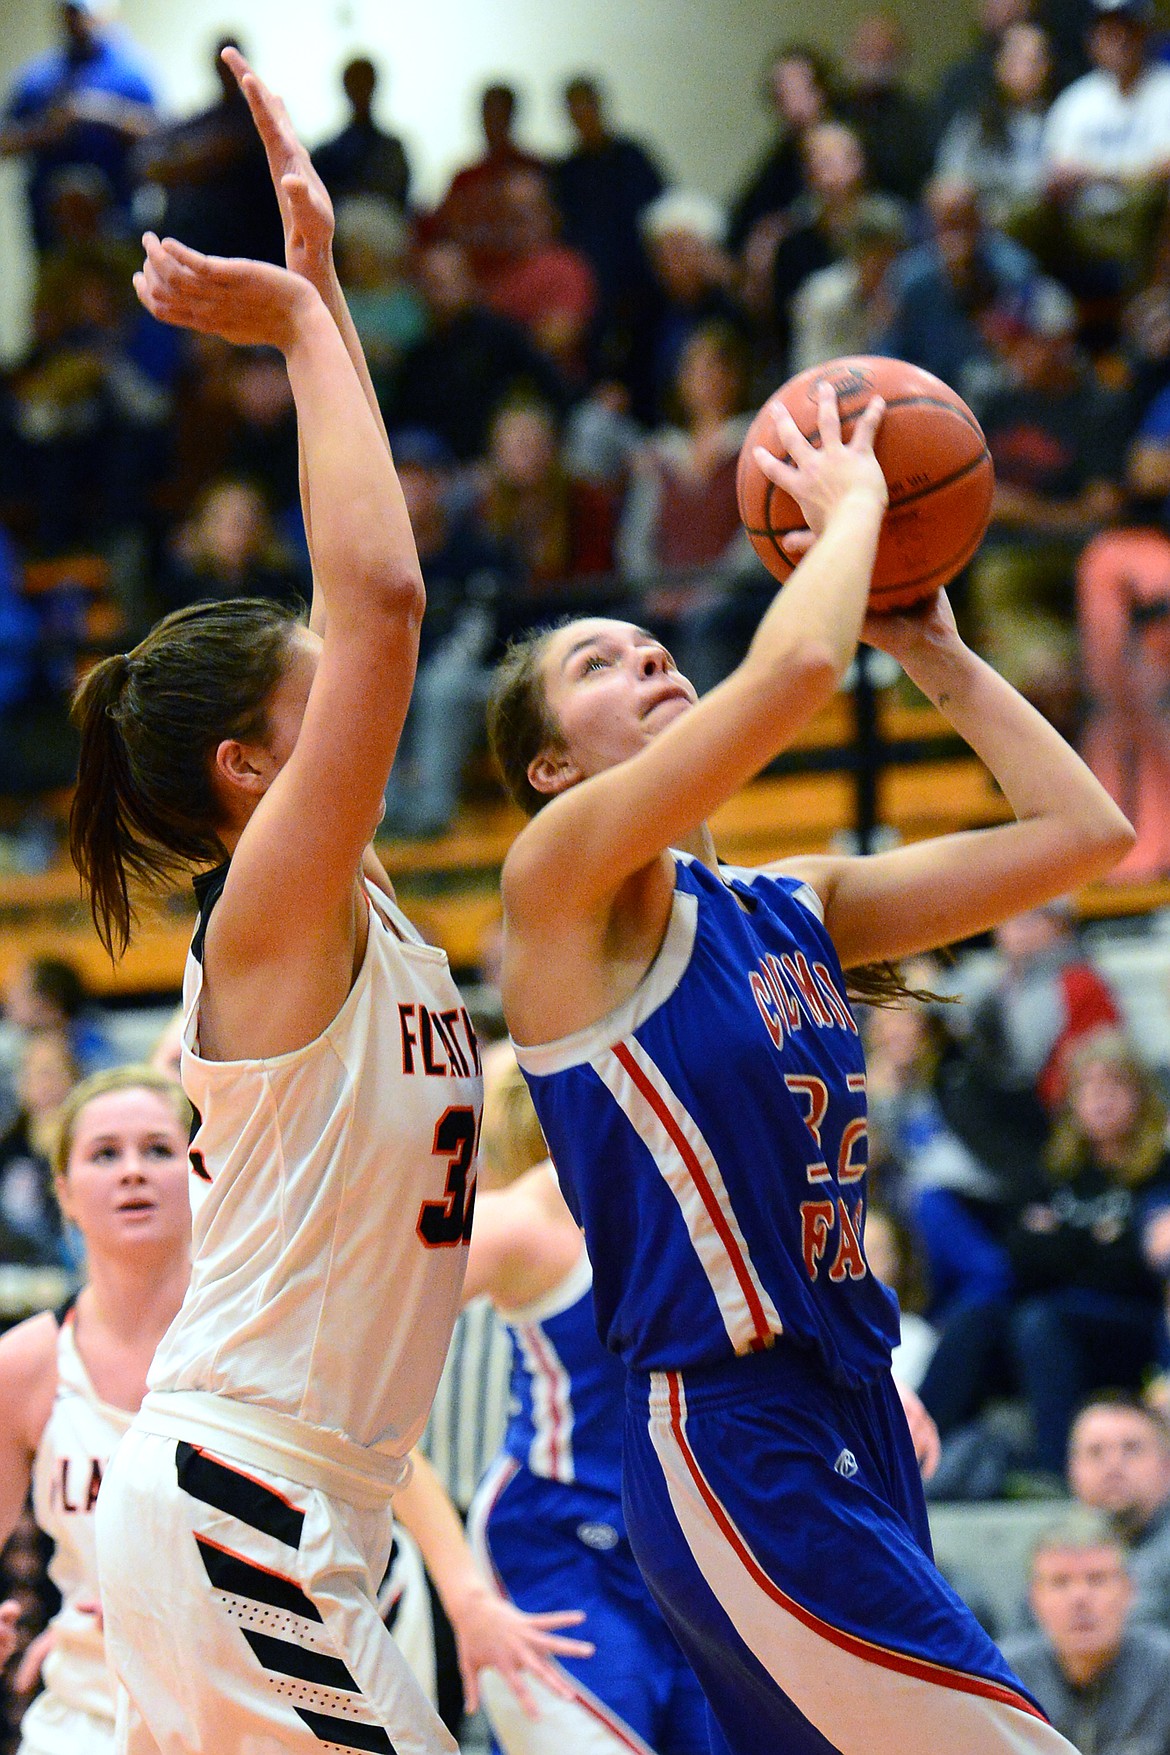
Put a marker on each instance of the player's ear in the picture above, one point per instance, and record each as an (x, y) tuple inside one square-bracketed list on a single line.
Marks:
[(552, 771)]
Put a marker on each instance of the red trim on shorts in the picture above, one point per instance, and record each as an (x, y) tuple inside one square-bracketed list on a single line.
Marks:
[(922, 1669), (247, 1560), (264, 1486)]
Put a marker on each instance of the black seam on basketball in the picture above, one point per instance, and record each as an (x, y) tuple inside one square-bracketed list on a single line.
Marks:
[(949, 567), (283, 1658), (947, 481), (215, 1484), (345, 1731), (237, 1577)]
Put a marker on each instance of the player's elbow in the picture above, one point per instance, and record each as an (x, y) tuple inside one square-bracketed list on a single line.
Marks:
[(815, 667), (391, 593), (1104, 836)]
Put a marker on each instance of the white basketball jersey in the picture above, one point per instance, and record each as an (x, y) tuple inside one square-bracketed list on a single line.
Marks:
[(75, 1448), (332, 1192)]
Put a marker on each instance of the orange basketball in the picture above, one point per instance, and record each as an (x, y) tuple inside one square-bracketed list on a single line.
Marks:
[(934, 458)]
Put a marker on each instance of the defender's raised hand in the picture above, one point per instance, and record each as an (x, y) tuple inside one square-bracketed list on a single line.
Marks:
[(305, 208), (253, 304)]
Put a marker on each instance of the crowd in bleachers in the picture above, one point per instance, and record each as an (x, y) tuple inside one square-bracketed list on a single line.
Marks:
[(565, 350)]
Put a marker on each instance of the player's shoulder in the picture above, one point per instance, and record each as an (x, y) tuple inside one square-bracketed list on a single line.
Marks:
[(28, 1374), (804, 881)]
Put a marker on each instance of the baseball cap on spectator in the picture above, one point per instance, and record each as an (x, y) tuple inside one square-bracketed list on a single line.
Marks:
[(685, 210)]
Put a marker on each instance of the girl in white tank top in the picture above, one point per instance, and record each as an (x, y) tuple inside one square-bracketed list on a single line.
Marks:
[(327, 1051), (70, 1384)]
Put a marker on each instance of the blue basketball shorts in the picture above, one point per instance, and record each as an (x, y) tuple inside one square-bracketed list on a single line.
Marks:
[(779, 1522)]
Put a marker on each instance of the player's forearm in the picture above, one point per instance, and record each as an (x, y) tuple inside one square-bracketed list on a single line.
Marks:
[(424, 1508), (1038, 772), (361, 533), (823, 605), (323, 275)]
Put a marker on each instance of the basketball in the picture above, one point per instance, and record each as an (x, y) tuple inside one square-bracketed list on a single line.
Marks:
[(934, 458)]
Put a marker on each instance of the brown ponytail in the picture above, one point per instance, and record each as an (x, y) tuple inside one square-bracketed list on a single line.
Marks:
[(150, 720), (520, 726)]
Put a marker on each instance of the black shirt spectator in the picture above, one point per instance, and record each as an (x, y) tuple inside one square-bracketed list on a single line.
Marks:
[(894, 125), (363, 159), (219, 196), (453, 381)]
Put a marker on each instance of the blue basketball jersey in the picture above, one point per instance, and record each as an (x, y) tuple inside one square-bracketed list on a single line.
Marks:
[(710, 1137), (568, 1393)]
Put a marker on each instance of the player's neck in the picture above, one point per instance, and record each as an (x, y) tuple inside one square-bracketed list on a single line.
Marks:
[(134, 1300)]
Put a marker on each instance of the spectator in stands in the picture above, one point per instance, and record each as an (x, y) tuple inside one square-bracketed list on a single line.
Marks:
[(1103, 1682), (601, 190), (998, 144), (85, 103), (1123, 616), (695, 275), (1055, 436), (557, 530), (1090, 1305), (542, 283), (844, 308), (371, 245), (816, 224), (681, 544), (1006, 1075), (946, 290), (455, 379), (1119, 1467), (472, 213), (1107, 143), (466, 575), (891, 1254), (968, 81), (363, 159), (29, 1214), (925, 1171), (799, 87), (229, 547), (894, 125), (89, 422), (214, 176)]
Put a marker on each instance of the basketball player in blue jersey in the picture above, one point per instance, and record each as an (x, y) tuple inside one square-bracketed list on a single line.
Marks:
[(547, 1521), (700, 1081), (332, 1065)]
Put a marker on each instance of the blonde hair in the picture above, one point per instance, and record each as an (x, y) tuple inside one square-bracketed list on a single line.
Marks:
[(511, 1139), (134, 1077), (1069, 1150)]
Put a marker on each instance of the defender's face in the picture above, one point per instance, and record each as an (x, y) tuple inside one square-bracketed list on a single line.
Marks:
[(611, 688)]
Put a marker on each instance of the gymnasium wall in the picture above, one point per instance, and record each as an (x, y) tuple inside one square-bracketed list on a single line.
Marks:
[(684, 74)]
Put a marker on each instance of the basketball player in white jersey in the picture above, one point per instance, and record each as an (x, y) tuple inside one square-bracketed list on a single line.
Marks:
[(331, 1062), (71, 1383)]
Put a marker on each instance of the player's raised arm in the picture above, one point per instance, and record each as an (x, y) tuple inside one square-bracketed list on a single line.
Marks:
[(608, 819), (294, 867), (1067, 832)]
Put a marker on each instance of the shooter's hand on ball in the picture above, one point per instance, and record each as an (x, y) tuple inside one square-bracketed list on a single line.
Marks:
[(819, 477)]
